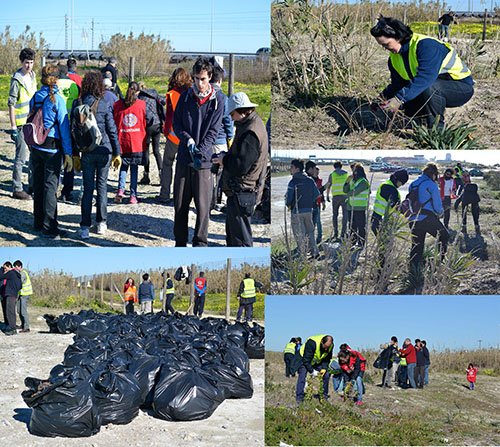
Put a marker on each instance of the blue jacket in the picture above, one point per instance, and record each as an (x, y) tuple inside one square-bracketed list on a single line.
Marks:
[(110, 97), (301, 194), (146, 291), (201, 123), (227, 127), (105, 123), (54, 113), (430, 55), (428, 190)]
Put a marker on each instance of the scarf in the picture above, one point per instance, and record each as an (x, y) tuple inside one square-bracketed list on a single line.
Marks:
[(201, 98)]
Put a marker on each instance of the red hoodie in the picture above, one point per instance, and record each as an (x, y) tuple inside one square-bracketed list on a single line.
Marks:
[(409, 354), (471, 374)]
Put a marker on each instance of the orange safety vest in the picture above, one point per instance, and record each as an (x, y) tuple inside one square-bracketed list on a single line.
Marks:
[(130, 294), (172, 99)]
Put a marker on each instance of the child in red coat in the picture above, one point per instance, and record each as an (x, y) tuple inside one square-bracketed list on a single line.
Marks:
[(471, 375)]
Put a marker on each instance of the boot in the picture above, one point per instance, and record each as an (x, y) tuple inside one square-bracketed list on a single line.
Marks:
[(145, 179), (478, 231)]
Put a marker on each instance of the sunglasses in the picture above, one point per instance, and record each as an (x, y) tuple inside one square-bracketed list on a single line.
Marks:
[(385, 28)]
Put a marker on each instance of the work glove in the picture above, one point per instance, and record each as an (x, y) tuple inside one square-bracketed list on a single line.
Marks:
[(314, 373), (229, 142), (68, 163), (14, 135), (328, 199), (322, 372), (116, 161), (392, 105), (77, 163)]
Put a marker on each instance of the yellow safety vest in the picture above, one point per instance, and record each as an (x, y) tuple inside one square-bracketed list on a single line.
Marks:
[(338, 181), (170, 290), (27, 288), (68, 89), (290, 348), (318, 355), (452, 64), (22, 107), (380, 205), (248, 288), (360, 200), (402, 362)]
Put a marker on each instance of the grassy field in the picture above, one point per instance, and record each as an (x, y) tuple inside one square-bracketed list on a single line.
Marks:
[(214, 304), (444, 413), (471, 30)]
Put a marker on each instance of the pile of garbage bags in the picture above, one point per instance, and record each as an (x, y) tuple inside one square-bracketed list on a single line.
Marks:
[(180, 367)]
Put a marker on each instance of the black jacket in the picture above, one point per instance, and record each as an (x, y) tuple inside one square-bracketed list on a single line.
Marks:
[(13, 283), (111, 69), (151, 97), (421, 358)]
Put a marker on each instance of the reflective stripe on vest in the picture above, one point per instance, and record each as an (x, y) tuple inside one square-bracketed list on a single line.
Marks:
[(380, 204), (171, 289), (248, 288), (452, 64), (318, 355), (27, 288), (22, 107), (361, 199), (290, 348), (338, 181)]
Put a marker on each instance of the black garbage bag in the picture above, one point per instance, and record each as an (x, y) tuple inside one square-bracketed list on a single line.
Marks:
[(382, 361), (117, 394), (145, 368), (255, 346), (77, 372), (61, 407), (186, 394), (235, 356), (68, 323), (90, 329), (51, 321), (234, 381)]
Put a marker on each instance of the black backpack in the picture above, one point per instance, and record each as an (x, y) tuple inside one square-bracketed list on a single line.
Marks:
[(411, 206), (160, 108)]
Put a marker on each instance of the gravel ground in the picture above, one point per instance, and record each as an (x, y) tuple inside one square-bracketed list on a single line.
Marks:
[(145, 224), (35, 353)]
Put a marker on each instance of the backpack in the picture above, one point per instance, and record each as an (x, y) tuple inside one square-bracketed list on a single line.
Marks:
[(34, 132), (84, 130), (411, 206), (160, 110)]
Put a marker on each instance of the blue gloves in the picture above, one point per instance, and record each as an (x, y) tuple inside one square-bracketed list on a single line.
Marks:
[(195, 155)]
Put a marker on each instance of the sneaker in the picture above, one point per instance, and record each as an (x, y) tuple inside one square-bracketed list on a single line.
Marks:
[(21, 195), (133, 200), (359, 403), (56, 236), (101, 227), (25, 330), (11, 333), (83, 232), (145, 179), (119, 196)]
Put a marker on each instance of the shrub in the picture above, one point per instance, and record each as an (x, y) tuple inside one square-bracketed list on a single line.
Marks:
[(11, 46)]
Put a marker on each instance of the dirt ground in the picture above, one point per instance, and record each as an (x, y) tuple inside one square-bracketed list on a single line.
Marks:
[(317, 128), (35, 353), (460, 416), (145, 224)]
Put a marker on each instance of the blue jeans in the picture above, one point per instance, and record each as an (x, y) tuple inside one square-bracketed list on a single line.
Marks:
[(134, 171), (411, 374), (95, 169), (338, 383), (443, 30), (471, 385), (317, 223), (426, 381), (301, 383)]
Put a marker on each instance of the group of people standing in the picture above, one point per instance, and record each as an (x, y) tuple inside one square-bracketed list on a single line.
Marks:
[(196, 117), (15, 291)]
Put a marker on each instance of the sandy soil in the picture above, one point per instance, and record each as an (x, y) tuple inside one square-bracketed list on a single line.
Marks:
[(317, 128), (145, 224), (35, 353)]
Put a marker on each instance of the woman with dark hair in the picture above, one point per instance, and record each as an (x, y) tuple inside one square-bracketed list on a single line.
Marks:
[(427, 75), (357, 190), (129, 295), (179, 81), (95, 165), (46, 158), (130, 117)]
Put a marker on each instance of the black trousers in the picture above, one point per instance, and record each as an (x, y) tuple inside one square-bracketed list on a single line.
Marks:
[(168, 303), (46, 169), (475, 213), (129, 307), (447, 210), (358, 228), (199, 304), (238, 229), (433, 101), (153, 135), (288, 357), (432, 225), (10, 306), (191, 184)]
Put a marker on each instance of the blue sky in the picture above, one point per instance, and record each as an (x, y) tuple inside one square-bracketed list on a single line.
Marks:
[(237, 26), (366, 321), (86, 261)]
